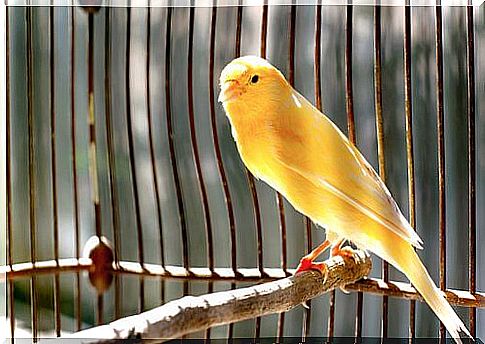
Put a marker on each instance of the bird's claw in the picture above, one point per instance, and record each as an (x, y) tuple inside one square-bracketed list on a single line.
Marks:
[(343, 290), (344, 252), (307, 264), (305, 305)]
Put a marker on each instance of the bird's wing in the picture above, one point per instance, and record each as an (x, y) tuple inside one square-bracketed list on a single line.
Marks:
[(327, 158)]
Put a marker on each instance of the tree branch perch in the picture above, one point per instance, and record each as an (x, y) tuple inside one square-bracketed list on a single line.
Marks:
[(191, 314)]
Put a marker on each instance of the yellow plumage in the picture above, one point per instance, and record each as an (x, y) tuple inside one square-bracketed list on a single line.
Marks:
[(286, 142)]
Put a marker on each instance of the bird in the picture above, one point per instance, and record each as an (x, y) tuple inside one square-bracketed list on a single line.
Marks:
[(286, 142)]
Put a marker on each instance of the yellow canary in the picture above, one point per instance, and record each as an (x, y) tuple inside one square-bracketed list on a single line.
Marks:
[(289, 144)]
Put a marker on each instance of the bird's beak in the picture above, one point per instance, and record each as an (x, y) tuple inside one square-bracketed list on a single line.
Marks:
[(229, 91)]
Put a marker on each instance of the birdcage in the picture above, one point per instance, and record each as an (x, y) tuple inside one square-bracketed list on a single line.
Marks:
[(113, 130)]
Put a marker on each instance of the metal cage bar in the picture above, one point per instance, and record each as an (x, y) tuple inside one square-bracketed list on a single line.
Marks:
[(195, 148), (74, 175), (11, 303), (32, 182), (380, 143), (252, 185), (441, 151), (57, 310), (139, 227), (237, 53), (151, 139), (408, 109), (113, 189), (349, 106), (472, 207)]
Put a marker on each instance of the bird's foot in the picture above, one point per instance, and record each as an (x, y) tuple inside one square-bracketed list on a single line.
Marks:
[(344, 252), (307, 264)]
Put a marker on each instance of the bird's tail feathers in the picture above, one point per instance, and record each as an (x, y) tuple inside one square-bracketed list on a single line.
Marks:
[(411, 265)]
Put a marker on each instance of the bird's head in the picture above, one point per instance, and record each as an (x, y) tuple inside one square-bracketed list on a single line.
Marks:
[(249, 78)]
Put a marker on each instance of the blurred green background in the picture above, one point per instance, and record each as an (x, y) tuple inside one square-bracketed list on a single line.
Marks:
[(333, 99)]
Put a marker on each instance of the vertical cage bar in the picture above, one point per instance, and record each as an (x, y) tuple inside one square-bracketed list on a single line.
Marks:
[(257, 328), (215, 140), (380, 144), (11, 303), (139, 229), (237, 53), (173, 160), (378, 93), (317, 55), (472, 215), (57, 296), (291, 79), (319, 104), (32, 182), (280, 327), (92, 125), (441, 152), (115, 217), (284, 248), (92, 148), (349, 103), (307, 221), (195, 148), (252, 185), (349, 99), (331, 315), (409, 144), (74, 174), (152, 153)]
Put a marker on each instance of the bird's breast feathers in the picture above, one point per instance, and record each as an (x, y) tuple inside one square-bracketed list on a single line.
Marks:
[(292, 143)]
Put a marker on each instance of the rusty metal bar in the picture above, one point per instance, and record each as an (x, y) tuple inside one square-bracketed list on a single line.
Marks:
[(349, 102), (57, 296), (193, 140), (349, 99), (139, 228), (409, 144), (378, 93), (472, 206), (319, 105), (264, 29), (171, 143), (92, 146), (284, 248), (441, 152), (152, 153), (280, 327), (92, 125), (403, 290), (317, 55), (257, 329), (74, 173), (291, 48), (115, 217), (215, 140), (252, 185), (32, 182), (237, 53), (331, 315), (369, 285), (11, 303), (279, 197), (380, 144)]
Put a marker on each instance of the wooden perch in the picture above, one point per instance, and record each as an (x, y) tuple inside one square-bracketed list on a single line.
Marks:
[(191, 314)]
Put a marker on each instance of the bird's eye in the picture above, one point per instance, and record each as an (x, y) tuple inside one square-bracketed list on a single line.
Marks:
[(254, 79)]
